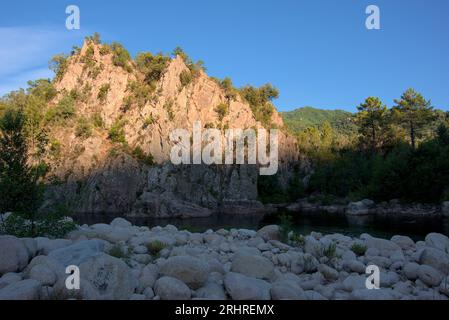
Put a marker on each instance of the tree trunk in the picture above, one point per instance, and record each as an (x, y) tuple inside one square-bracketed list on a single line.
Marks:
[(412, 135)]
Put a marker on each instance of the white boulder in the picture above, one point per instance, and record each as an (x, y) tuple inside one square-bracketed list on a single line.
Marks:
[(168, 288), (241, 287)]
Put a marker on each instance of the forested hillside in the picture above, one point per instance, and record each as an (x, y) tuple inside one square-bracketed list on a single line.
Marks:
[(379, 152), (307, 117)]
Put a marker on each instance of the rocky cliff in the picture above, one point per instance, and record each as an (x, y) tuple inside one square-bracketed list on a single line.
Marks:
[(122, 166)]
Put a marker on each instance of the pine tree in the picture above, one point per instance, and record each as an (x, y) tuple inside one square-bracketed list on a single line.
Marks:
[(372, 120), (414, 113), (19, 187)]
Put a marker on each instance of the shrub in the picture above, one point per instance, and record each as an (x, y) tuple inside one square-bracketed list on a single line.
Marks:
[(88, 58), (59, 65), (222, 110), (64, 110), (155, 247), (141, 156), (83, 128), (178, 51), (186, 78), (152, 66), (228, 87), (117, 131), (193, 67), (105, 49), (270, 190), (259, 100), (148, 121), (330, 251), (85, 93), (97, 120), (297, 239), (51, 225), (95, 38), (359, 249), (140, 93), (55, 148), (119, 252), (121, 57), (42, 88), (103, 92)]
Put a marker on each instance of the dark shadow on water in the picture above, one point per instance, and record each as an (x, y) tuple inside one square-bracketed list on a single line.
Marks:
[(416, 228)]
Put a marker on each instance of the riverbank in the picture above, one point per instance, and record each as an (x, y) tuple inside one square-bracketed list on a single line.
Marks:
[(393, 208), (123, 261)]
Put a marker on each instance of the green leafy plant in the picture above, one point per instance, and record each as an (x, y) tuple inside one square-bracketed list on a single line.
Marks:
[(64, 110), (330, 251), (121, 56), (358, 248), (152, 66), (155, 247), (51, 225), (222, 110), (117, 131), (140, 92), (83, 128), (59, 65), (297, 239), (119, 252), (259, 100), (185, 77), (141, 156), (148, 121), (97, 120)]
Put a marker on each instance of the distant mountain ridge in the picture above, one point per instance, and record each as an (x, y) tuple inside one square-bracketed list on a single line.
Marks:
[(308, 117)]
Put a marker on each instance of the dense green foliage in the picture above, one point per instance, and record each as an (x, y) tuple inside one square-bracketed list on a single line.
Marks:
[(142, 156), (21, 188), (65, 109), (152, 66), (260, 101), (185, 77), (222, 110), (400, 153), (272, 190), (59, 65), (140, 94), (121, 56), (194, 67), (117, 131), (308, 117), (83, 128), (53, 225)]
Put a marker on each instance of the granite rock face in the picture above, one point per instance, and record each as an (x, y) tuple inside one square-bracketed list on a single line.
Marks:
[(97, 175)]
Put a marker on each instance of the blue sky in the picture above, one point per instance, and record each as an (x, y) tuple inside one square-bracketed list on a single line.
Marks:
[(317, 52)]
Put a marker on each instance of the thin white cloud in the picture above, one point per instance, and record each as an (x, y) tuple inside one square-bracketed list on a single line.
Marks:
[(25, 52)]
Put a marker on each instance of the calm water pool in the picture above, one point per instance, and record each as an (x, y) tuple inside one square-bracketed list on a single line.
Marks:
[(417, 229)]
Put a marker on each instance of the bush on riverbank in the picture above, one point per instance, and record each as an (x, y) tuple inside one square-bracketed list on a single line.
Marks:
[(51, 226)]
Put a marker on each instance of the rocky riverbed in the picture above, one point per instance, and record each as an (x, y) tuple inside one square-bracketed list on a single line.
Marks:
[(122, 261)]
